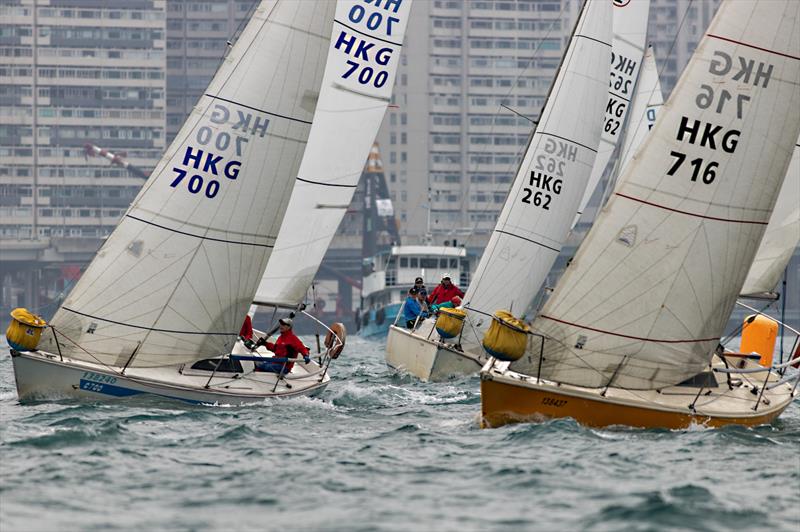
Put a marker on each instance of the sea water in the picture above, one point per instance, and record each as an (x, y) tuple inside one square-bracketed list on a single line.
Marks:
[(378, 451)]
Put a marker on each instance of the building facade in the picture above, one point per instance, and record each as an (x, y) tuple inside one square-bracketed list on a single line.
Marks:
[(74, 74)]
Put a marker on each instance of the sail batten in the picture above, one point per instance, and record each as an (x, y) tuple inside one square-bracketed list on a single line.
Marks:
[(650, 290)]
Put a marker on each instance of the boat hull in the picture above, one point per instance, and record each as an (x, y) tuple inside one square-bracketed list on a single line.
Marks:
[(427, 359), (40, 376), (504, 401)]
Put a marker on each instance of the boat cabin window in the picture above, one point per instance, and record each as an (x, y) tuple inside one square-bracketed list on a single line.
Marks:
[(428, 263), (453, 264), (413, 262), (404, 262), (226, 366)]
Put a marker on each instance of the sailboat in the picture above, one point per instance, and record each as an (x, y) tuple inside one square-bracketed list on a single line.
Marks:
[(631, 333), (158, 310), (349, 113), (549, 186)]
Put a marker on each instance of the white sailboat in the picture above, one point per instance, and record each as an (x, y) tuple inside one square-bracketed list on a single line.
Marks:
[(631, 334), (539, 209), (160, 306)]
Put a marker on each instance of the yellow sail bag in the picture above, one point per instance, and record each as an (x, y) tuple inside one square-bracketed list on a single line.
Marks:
[(25, 329), (450, 322), (507, 337)]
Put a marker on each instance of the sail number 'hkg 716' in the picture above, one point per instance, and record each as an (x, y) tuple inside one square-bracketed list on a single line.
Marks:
[(709, 135)]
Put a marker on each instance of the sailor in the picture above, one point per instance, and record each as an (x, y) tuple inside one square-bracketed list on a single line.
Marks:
[(419, 284), (286, 348), (412, 309), (444, 291)]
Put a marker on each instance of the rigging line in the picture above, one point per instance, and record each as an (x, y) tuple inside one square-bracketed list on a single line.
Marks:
[(582, 36), (149, 329), (202, 237), (715, 218), (79, 346)]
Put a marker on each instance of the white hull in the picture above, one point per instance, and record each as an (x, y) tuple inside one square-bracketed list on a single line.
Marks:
[(424, 356), (41, 375)]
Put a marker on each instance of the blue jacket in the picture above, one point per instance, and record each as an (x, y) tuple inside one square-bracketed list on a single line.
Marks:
[(412, 309)]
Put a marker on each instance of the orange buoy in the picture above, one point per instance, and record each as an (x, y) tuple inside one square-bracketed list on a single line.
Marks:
[(758, 336), (336, 330)]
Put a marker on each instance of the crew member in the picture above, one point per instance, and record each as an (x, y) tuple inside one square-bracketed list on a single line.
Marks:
[(444, 291), (412, 309), (286, 348)]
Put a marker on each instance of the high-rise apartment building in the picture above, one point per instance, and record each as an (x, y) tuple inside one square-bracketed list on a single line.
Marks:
[(197, 36), (77, 73), (474, 77), (675, 28)]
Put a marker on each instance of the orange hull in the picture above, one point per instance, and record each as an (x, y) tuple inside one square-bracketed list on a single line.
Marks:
[(503, 403)]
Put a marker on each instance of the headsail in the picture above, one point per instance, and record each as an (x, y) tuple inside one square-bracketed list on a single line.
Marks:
[(539, 209), (781, 238), (356, 90), (646, 104), (650, 290), (175, 278), (627, 48)]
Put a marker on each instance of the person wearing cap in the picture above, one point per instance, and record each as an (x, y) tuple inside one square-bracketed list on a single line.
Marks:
[(419, 284), (444, 291), (412, 310), (286, 348)]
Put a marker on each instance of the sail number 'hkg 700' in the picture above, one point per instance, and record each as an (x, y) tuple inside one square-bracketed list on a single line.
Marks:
[(712, 136), (367, 57), (206, 160)]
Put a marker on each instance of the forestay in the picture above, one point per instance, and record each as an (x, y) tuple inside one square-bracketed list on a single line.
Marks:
[(627, 49), (781, 238), (551, 179), (650, 290), (646, 104), (174, 280), (356, 89)]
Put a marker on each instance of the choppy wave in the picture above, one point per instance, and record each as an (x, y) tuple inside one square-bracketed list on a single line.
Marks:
[(379, 450)]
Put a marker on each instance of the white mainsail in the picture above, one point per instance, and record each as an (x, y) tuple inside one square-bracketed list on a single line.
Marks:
[(356, 89), (539, 209), (648, 295), (174, 280), (646, 104), (627, 49), (781, 238)]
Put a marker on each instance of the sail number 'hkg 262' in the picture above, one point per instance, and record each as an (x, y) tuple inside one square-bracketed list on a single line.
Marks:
[(540, 184), (708, 135)]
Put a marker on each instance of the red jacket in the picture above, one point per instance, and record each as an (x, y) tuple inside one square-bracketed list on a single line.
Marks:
[(288, 345), (441, 294)]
